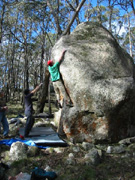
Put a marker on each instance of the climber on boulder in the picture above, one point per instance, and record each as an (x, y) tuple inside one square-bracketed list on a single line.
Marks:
[(56, 77)]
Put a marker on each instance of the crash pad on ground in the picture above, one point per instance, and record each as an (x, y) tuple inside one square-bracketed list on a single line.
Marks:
[(43, 115), (44, 135), (38, 131)]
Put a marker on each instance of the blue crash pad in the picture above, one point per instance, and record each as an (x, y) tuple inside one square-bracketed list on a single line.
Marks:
[(9, 142)]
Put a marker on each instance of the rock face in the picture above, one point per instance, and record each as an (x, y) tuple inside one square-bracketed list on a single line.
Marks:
[(99, 78)]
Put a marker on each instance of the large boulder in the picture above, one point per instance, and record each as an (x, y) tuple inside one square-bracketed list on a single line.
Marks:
[(98, 76)]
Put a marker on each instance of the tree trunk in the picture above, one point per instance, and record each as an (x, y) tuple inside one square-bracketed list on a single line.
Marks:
[(74, 16), (26, 71), (1, 21), (132, 5), (49, 98), (56, 17), (44, 93), (130, 41)]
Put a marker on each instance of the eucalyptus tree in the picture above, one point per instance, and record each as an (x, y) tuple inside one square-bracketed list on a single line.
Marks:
[(58, 14), (133, 42), (96, 13), (42, 21), (126, 43), (8, 45), (75, 16), (72, 8), (20, 40), (23, 33), (105, 15), (127, 4), (114, 21), (3, 63), (4, 7), (129, 7), (112, 13), (63, 14), (128, 40), (2, 13)]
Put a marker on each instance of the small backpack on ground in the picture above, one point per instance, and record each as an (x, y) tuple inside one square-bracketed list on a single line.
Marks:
[(41, 174)]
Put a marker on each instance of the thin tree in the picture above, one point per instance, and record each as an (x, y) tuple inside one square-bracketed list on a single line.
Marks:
[(67, 30)]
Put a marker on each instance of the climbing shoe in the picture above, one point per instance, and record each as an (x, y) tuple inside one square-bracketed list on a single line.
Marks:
[(22, 137)]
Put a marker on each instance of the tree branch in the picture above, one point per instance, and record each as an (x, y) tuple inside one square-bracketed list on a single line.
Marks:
[(74, 16), (132, 5), (16, 37), (49, 39), (70, 5)]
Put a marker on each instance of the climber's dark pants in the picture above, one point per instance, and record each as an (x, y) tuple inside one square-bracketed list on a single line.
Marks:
[(29, 123)]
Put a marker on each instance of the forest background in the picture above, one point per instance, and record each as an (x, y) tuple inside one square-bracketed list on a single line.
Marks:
[(30, 28)]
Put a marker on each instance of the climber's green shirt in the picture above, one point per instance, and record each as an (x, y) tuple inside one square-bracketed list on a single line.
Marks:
[(54, 71)]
